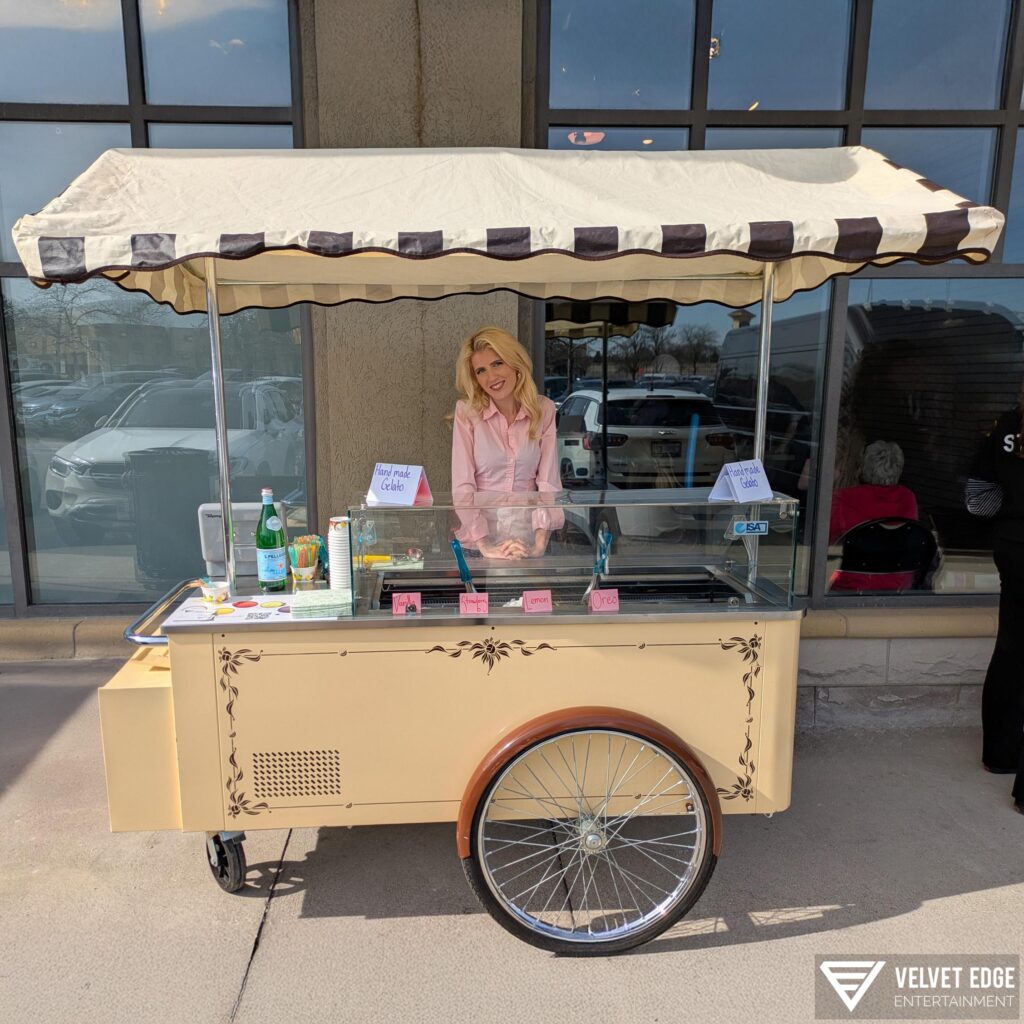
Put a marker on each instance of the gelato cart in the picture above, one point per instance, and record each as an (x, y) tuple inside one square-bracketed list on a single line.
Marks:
[(586, 717)]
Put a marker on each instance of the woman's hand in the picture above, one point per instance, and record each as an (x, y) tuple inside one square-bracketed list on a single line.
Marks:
[(503, 549), (540, 543)]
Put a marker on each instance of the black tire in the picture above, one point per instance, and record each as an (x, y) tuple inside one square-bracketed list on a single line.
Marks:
[(568, 846), (229, 870)]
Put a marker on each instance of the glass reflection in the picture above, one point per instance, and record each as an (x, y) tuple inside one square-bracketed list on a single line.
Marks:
[(968, 336), (114, 417), (788, 55), (220, 136), (222, 52), (6, 591), (38, 160), (959, 159), (934, 54), (614, 56), (772, 138), (645, 139), (1013, 249), (681, 383), (52, 51)]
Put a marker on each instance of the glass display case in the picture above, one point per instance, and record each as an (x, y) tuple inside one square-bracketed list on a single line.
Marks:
[(638, 551)]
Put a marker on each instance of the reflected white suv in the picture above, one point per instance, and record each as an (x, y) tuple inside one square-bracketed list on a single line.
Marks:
[(86, 487), (661, 437)]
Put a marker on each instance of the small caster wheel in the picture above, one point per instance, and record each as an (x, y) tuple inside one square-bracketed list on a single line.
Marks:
[(226, 858)]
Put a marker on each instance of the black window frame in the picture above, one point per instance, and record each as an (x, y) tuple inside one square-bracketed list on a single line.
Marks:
[(1007, 119), (138, 114)]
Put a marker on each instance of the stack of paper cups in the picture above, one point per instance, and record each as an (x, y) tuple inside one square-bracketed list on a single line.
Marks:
[(339, 552)]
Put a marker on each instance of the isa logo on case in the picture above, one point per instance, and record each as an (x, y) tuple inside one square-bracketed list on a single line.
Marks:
[(750, 527)]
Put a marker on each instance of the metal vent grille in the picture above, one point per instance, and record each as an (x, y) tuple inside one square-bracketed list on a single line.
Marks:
[(287, 774)]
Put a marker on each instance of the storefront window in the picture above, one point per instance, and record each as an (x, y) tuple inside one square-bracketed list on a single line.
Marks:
[(221, 136), (114, 418), (929, 365), (932, 54), (788, 55), (681, 389), (52, 51), (618, 138), (772, 138), (1013, 251), (39, 159), (959, 159), (6, 592), (224, 52), (609, 55)]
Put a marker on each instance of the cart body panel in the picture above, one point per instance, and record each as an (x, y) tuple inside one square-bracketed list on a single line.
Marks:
[(139, 755), (280, 728)]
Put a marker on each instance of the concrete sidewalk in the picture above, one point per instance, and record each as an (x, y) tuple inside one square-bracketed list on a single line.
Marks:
[(896, 842)]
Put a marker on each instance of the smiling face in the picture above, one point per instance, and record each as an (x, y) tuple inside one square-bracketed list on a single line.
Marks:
[(494, 376)]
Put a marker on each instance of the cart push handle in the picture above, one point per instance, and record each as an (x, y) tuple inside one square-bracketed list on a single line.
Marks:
[(137, 634)]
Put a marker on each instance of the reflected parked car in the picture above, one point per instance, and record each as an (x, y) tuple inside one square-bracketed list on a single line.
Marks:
[(86, 490), (32, 404), (75, 414), (656, 438)]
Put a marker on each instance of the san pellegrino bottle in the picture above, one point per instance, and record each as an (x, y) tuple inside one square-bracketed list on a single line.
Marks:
[(271, 556)]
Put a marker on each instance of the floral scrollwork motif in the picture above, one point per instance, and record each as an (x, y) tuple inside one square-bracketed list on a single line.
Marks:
[(490, 652), (230, 662), (750, 649)]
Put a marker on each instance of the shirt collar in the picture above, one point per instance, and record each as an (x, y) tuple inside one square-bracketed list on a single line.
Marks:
[(492, 410)]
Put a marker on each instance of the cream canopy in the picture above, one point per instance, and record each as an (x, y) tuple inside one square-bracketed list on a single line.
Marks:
[(331, 226)]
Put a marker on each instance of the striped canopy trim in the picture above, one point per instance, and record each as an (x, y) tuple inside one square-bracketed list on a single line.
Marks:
[(91, 229)]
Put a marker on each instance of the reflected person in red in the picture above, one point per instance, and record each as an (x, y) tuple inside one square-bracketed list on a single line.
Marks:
[(503, 442), (879, 495)]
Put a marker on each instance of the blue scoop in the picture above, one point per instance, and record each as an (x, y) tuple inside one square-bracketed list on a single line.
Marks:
[(464, 573)]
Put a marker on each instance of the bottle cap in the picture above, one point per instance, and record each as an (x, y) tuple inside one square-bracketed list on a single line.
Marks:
[(268, 490)]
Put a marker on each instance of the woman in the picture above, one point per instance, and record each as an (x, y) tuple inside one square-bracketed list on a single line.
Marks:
[(879, 495), (504, 441), (996, 488)]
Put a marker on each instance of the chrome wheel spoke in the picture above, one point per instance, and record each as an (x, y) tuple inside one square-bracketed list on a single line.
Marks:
[(574, 873)]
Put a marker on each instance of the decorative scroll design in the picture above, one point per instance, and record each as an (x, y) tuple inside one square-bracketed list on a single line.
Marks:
[(750, 649), (230, 663), (490, 652)]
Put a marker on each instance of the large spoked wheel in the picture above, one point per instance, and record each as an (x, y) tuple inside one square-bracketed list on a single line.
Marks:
[(592, 842)]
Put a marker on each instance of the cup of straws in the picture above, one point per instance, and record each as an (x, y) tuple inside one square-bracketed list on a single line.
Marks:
[(303, 554)]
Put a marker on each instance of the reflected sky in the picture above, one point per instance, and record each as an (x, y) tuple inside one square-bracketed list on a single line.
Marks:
[(52, 51), (772, 138), (228, 52), (593, 137), (613, 55), (786, 55), (933, 54), (221, 136)]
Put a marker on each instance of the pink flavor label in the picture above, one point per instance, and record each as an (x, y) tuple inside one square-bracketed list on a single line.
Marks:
[(473, 604), (604, 600), (535, 601), (401, 603)]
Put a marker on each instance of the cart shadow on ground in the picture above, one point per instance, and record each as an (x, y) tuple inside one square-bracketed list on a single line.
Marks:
[(34, 708), (880, 823)]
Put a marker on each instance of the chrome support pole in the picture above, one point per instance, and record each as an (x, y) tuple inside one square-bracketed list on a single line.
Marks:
[(764, 356), (220, 419)]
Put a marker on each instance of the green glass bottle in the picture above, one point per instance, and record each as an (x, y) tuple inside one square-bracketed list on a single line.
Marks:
[(271, 556)]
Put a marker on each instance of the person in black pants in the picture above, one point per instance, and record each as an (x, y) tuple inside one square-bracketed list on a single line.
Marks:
[(996, 488)]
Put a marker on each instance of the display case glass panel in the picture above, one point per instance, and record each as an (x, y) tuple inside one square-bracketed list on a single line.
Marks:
[(656, 551)]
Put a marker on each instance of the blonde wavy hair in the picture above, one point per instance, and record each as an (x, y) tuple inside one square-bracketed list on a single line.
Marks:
[(509, 351)]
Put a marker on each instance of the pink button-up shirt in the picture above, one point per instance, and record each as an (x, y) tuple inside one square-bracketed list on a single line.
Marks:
[(489, 454)]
